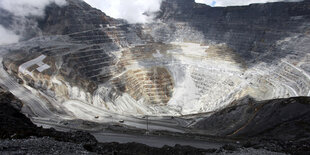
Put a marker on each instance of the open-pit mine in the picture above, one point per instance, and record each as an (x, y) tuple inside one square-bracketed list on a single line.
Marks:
[(191, 61), (170, 67)]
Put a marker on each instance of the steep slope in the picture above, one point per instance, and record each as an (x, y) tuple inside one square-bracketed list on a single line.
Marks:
[(283, 122), (77, 16), (192, 59), (253, 31), (252, 118)]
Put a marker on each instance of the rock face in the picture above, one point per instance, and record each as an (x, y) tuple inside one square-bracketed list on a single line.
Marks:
[(283, 122), (253, 31), (192, 59)]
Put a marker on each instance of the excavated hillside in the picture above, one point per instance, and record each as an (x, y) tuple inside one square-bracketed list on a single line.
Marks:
[(192, 59), (18, 135)]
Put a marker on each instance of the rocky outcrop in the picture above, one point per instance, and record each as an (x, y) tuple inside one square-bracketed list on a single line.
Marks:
[(15, 125)]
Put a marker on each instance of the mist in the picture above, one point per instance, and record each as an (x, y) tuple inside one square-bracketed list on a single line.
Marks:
[(130, 10), (238, 2), (28, 7), (22, 9), (7, 36)]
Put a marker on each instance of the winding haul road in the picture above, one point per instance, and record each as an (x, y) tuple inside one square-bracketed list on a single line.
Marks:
[(37, 106), (39, 110)]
